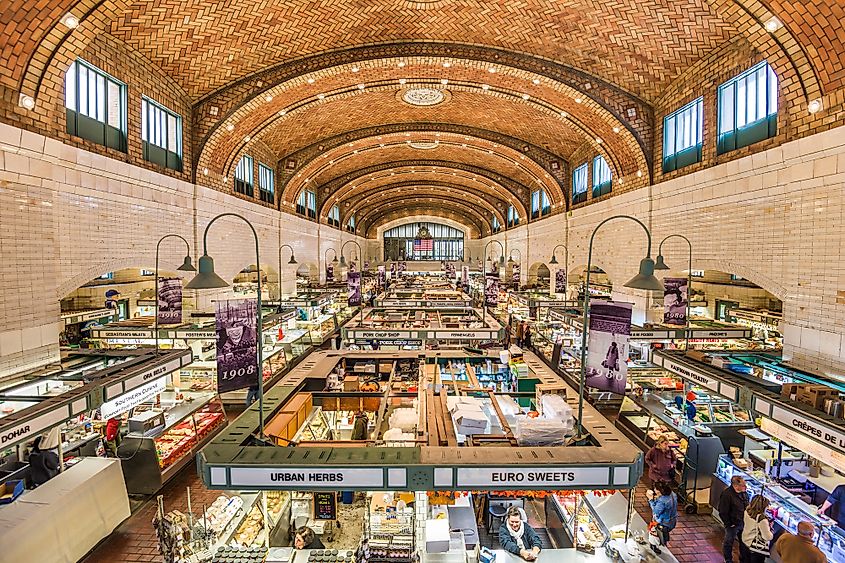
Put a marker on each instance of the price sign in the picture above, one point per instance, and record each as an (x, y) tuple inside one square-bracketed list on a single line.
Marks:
[(325, 505)]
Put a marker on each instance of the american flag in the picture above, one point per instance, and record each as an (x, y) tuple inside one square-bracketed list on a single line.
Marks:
[(423, 245)]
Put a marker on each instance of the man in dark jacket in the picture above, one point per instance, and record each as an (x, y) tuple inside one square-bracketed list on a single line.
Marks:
[(43, 464), (732, 504), (518, 537)]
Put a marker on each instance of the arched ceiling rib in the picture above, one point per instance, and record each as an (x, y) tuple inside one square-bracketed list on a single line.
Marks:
[(302, 163), (397, 199)]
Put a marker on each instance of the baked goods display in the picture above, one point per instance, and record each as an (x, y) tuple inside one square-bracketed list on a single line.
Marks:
[(175, 443), (251, 530)]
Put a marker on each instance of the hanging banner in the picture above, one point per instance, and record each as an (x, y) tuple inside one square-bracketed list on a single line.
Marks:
[(352, 268), (515, 275), (353, 288), (367, 266), (465, 275), (675, 301), (403, 266), (237, 360), (491, 290), (169, 301), (393, 267), (381, 275), (329, 272), (607, 351), (560, 281)]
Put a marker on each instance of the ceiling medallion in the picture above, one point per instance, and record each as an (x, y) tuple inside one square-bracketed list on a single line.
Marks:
[(423, 145), (423, 97)]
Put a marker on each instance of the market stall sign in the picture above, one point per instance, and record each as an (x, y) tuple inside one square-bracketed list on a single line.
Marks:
[(642, 334), (147, 375), (121, 333), (514, 478), (196, 334), (544, 303), (803, 423), (22, 431), (724, 389), (89, 316), (132, 399), (464, 334), (305, 478), (353, 334), (391, 342), (728, 333), (795, 439)]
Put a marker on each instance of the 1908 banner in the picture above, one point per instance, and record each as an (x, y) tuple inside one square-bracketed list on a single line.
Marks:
[(169, 301), (237, 360)]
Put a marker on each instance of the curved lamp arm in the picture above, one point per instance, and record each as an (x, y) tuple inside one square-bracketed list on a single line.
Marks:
[(155, 297), (259, 326), (583, 372), (355, 242)]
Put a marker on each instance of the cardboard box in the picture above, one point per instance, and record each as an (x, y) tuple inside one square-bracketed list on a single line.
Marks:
[(437, 536), (814, 395), (350, 383), (790, 390)]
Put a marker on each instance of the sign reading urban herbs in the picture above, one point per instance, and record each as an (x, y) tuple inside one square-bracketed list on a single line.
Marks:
[(675, 295), (306, 478), (237, 355), (607, 352), (169, 301)]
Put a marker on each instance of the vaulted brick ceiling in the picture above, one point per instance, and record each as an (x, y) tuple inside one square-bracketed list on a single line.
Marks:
[(301, 77)]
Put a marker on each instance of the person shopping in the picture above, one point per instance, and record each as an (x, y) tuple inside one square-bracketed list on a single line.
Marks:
[(732, 504), (519, 538), (112, 436), (756, 533), (800, 548), (661, 462), (664, 510), (835, 500)]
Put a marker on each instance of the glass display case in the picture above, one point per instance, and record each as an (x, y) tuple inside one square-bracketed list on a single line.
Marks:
[(786, 509), (573, 518), (150, 460)]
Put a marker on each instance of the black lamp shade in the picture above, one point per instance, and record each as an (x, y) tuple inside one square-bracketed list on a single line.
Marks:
[(645, 278), (187, 266), (660, 264), (206, 278)]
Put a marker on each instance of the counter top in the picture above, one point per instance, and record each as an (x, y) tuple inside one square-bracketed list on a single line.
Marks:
[(822, 481), (571, 555)]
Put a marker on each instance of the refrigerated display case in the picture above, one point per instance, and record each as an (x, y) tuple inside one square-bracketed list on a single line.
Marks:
[(786, 508), (150, 460)]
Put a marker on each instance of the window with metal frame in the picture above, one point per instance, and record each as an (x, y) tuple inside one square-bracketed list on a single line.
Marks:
[(545, 203), (540, 204), (95, 105), (401, 243), (579, 184), (266, 183), (350, 224), (602, 177), (244, 176), (334, 216), (495, 223), (748, 108), (513, 217), (161, 135), (682, 136), (306, 204)]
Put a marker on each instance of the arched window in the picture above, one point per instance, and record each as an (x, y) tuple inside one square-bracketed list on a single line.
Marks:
[(423, 241)]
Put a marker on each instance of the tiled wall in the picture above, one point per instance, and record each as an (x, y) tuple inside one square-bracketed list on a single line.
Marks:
[(67, 216), (774, 218)]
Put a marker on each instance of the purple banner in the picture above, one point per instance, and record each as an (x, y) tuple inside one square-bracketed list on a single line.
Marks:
[(237, 359), (353, 288), (560, 281), (515, 275), (169, 301), (675, 301), (381, 275), (367, 266), (491, 290), (403, 266), (329, 272), (607, 351), (465, 275)]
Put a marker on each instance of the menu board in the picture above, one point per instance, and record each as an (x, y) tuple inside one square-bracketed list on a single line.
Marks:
[(325, 505)]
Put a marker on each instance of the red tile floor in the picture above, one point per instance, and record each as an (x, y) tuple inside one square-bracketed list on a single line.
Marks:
[(697, 537)]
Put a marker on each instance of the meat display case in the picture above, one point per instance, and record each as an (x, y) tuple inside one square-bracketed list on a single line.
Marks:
[(149, 460)]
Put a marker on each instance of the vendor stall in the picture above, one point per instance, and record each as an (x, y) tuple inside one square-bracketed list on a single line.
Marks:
[(422, 458)]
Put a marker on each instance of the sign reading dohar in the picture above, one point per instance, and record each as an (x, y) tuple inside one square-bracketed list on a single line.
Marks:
[(534, 477), (306, 478)]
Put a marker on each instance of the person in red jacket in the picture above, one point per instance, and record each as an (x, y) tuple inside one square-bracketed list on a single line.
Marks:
[(661, 462), (112, 436)]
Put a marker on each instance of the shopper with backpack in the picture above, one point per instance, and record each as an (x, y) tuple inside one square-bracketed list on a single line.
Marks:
[(664, 510)]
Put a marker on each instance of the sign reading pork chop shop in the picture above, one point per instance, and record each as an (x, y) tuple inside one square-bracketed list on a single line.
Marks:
[(306, 478), (499, 478)]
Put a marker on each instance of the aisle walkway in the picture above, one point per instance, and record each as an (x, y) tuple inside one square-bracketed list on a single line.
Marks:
[(697, 539)]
